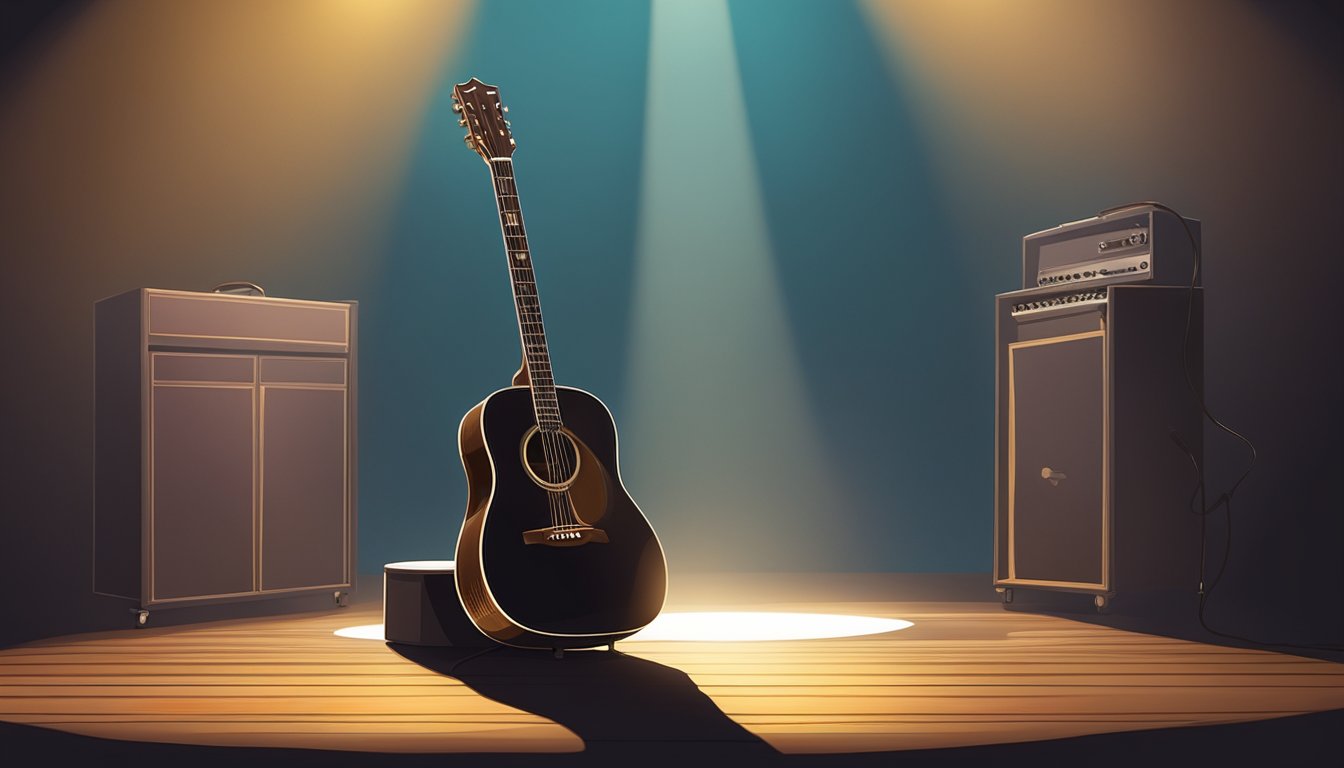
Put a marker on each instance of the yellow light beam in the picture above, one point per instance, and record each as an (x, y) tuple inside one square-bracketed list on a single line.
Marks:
[(162, 142)]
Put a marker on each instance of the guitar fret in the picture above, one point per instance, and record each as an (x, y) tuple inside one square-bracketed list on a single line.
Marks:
[(526, 302)]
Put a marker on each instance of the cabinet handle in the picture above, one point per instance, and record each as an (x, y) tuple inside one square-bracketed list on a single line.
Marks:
[(1053, 476), (241, 287)]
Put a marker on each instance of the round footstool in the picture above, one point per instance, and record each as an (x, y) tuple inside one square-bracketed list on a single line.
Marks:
[(420, 606)]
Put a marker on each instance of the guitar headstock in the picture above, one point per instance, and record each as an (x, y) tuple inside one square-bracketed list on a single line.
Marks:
[(482, 114)]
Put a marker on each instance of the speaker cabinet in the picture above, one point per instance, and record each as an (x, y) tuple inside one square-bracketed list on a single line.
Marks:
[(224, 453), (1092, 491)]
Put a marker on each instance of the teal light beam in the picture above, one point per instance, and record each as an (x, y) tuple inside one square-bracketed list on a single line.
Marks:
[(719, 442)]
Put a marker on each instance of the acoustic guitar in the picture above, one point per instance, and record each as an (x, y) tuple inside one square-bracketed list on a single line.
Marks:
[(553, 552)]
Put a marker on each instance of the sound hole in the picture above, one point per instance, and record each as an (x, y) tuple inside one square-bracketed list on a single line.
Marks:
[(550, 458)]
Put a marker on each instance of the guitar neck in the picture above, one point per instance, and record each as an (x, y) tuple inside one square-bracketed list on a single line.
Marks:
[(525, 300)]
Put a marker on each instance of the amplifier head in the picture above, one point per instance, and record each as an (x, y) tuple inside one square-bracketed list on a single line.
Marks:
[(1142, 244)]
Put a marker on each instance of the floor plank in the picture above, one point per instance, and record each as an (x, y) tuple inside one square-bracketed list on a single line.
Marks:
[(965, 674)]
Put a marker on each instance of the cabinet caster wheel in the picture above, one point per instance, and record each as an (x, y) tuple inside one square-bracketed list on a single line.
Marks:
[(1102, 603), (342, 599), (141, 617), (1007, 595)]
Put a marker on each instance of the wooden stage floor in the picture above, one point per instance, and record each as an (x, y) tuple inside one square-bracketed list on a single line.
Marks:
[(966, 673)]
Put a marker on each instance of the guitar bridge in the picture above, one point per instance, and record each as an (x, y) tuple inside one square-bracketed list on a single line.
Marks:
[(565, 536)]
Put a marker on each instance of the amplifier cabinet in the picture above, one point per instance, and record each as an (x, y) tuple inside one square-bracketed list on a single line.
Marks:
[(1142, 244), (1092, 493), (224, 447)]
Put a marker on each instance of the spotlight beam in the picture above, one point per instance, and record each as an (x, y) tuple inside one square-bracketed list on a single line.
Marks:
[(719, 437)]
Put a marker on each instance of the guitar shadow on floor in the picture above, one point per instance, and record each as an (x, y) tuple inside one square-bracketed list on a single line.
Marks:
[(617, 704)]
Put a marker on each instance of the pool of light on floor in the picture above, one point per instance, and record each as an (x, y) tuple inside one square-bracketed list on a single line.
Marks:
[(729, 626)]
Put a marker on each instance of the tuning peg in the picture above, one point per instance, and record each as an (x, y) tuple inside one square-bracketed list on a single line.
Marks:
[(506, 122), (462, 122), (456, 107), (467, 139), (506, 110)]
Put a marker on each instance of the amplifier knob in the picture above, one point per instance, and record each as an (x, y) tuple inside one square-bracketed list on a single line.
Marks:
[(1143, 265), (1076, 276)]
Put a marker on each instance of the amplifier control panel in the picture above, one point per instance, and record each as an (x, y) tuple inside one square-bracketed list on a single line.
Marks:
[(1134, 267), (1053, 302)]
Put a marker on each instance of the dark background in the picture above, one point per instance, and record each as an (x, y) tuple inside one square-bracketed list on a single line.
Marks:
[(900, 151)]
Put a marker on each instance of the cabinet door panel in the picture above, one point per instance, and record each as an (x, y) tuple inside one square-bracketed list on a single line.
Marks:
[(303, 487), (1059, 414), (201, 508)]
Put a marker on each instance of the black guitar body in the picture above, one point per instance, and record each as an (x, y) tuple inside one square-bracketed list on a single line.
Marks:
[(595, 575)]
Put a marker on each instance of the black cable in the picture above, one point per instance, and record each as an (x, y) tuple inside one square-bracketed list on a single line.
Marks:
[(1224, 500)]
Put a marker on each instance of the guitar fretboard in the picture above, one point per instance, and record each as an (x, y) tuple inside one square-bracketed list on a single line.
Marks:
[(525, 299)]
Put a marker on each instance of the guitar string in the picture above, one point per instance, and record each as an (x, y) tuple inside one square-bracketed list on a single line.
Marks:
[(558, 465), (554, 454), (566, 500), (505, 185), (558, 441), (553, 441), (559, 475)]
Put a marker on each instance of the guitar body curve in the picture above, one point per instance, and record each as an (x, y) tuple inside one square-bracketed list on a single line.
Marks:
[(528, 590)]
